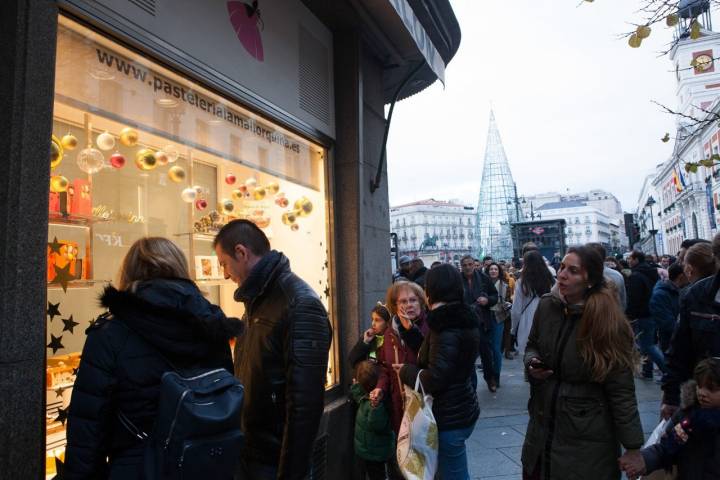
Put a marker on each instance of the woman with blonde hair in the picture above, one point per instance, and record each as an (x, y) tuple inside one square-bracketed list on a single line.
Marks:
[(580, 360), (157, 321), (408, 305)]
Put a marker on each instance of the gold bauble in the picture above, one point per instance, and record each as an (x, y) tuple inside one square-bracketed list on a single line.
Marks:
[(288, 218), (129, 137), (162, 157), (238, 194), (176, 173), (294, 227), (259, 193), (145, 159), (56, 152), (227, 205), (272, 188), (69, 142), (59, 184), (303, 206)]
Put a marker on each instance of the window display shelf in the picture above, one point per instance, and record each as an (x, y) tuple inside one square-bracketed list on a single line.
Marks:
[(57, 218), (77, 284), (214, 282), (203, 237)]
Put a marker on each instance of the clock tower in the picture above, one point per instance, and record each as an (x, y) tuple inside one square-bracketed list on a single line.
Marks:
[(696, 61)]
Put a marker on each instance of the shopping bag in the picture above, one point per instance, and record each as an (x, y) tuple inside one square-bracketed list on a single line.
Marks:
[(657, 433), (417, 446), (654, 438)]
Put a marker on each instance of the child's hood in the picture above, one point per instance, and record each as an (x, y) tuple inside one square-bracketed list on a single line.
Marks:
[(688, 394)]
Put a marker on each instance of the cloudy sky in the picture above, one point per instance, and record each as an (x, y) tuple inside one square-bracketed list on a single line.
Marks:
[(572, 101)]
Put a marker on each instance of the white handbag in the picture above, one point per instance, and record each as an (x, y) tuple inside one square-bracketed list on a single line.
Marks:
[(417, 445)]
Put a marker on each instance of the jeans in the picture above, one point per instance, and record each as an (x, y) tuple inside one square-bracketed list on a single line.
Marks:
[(452, 457), (647, 340), (665, 336), (486, 355), (496, 338)]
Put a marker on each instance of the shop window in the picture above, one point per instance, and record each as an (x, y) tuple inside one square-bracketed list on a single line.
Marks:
[(147, 152)]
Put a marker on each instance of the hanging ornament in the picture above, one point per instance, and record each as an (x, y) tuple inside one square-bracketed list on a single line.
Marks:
[(227, 205), (303, 206), (237, 194), (129, 137), (250, 183), (172, 153), (105, 141), (201, 204), (288, 218), (294, 227), (90, 160), (59, 184), (56, 152), (145, 159), (162, 157), (259, 193), (188, 195), (69, 142), (230, 179), (282, 202), (272, 188), (176, 173), (117, 160)]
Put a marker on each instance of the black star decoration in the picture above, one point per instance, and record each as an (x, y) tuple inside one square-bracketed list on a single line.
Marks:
[(55, 246), (69, 324), (92, 322), (59, 391), (59, 468), (55, 343), (327, 291), (62, 276), (74, 372), (53, 310), (62, 415)]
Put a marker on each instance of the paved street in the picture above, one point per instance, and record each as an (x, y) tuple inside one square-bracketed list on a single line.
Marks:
[(494, 448)]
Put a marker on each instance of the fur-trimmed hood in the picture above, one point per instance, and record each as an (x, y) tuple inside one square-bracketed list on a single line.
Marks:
[(172, 315), (688, 394)]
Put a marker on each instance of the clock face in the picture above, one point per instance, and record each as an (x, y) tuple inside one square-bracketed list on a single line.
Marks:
[(703, 62)]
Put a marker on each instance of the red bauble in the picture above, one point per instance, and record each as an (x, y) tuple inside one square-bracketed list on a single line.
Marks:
[(117, 160), (201, 204), (230, 179)]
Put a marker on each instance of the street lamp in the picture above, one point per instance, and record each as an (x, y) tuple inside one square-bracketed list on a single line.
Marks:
[(649, 203), (532, 214)]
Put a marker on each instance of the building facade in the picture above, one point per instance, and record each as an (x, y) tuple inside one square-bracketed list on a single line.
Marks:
[(444, 230), (171, 118), (583, 223)]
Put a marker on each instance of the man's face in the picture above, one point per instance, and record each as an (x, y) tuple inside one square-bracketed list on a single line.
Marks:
[(405, 268), (477, 265), (468, 267), (632, 261), (665, 262), (414, 266), (487, 262), (235, 267)]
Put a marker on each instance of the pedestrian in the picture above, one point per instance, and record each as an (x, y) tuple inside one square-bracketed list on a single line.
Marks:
[(690, 440), (613, 263), (480, 295), (486, 261), (665, 261), (501, 338), (446, 366), (696, 335), (534, 282), (580, 360), (532, 247), (699, 262), (614, 277), (686, 244), (406, 302), (665, 304), (403, 271), (418, 270), (374, 438), (640, 286), (156, 315), (282, 356)]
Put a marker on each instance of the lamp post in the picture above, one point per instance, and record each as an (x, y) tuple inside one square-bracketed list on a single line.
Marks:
[(517, 201), (532, 214), (649, 203)]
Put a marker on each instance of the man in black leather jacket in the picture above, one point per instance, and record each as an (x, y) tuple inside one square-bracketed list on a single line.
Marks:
[(281, 358)]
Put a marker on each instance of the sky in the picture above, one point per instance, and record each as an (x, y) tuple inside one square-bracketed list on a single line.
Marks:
[(572, 101)]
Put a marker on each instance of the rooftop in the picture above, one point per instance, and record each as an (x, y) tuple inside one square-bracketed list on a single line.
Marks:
[(562, 204), (430, 202)]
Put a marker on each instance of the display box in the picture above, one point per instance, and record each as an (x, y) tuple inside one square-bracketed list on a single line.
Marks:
[(207, 267)]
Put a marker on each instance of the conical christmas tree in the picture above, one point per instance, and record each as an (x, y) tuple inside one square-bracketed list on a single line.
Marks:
[(496, 206)]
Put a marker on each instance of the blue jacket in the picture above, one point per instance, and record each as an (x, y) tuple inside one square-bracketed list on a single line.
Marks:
[(665, 305)]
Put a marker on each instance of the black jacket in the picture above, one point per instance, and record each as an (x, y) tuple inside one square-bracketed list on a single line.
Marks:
[(696, 336), (447, 360), (282, 361), (481, 286), (639, 289), (123, 359), (419, 276)]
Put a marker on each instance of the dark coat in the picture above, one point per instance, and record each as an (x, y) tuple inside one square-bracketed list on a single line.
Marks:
[(374, 438), (480, 286), (576, 425), (639, 289), (282, 361), (696, 336), (419, 276), (391, 351), (447, 360), (665, 305), (123, 359)]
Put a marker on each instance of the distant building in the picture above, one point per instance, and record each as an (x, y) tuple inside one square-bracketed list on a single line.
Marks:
[(583, 223), (446, 228)]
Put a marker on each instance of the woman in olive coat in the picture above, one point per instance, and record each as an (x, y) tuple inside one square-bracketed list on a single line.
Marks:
[(580, 359)]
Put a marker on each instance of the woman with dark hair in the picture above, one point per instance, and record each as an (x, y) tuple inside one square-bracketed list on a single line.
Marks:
[(446, 365), (580, 359), (501, 338), (534, 282)]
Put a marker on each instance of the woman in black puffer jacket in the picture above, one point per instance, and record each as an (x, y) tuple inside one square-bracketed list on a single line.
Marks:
[(446, 365), (156, 317)]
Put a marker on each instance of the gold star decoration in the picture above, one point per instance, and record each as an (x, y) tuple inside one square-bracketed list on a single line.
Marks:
[(55, 343), (55, 246), (62, 415), (62, 276), (69, 324), (53, 310)]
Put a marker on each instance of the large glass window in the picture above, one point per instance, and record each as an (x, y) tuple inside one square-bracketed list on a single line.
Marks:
[(138, 150)]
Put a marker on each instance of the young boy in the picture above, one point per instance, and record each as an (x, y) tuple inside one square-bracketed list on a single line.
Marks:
[(692, 440), (374, 437)]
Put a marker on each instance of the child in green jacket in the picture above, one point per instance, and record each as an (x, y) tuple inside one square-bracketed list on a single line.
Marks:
[(374, 437)]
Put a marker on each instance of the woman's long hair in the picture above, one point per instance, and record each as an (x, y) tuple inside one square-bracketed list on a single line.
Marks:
[(536, 277), (152, 257), (605, 338)]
